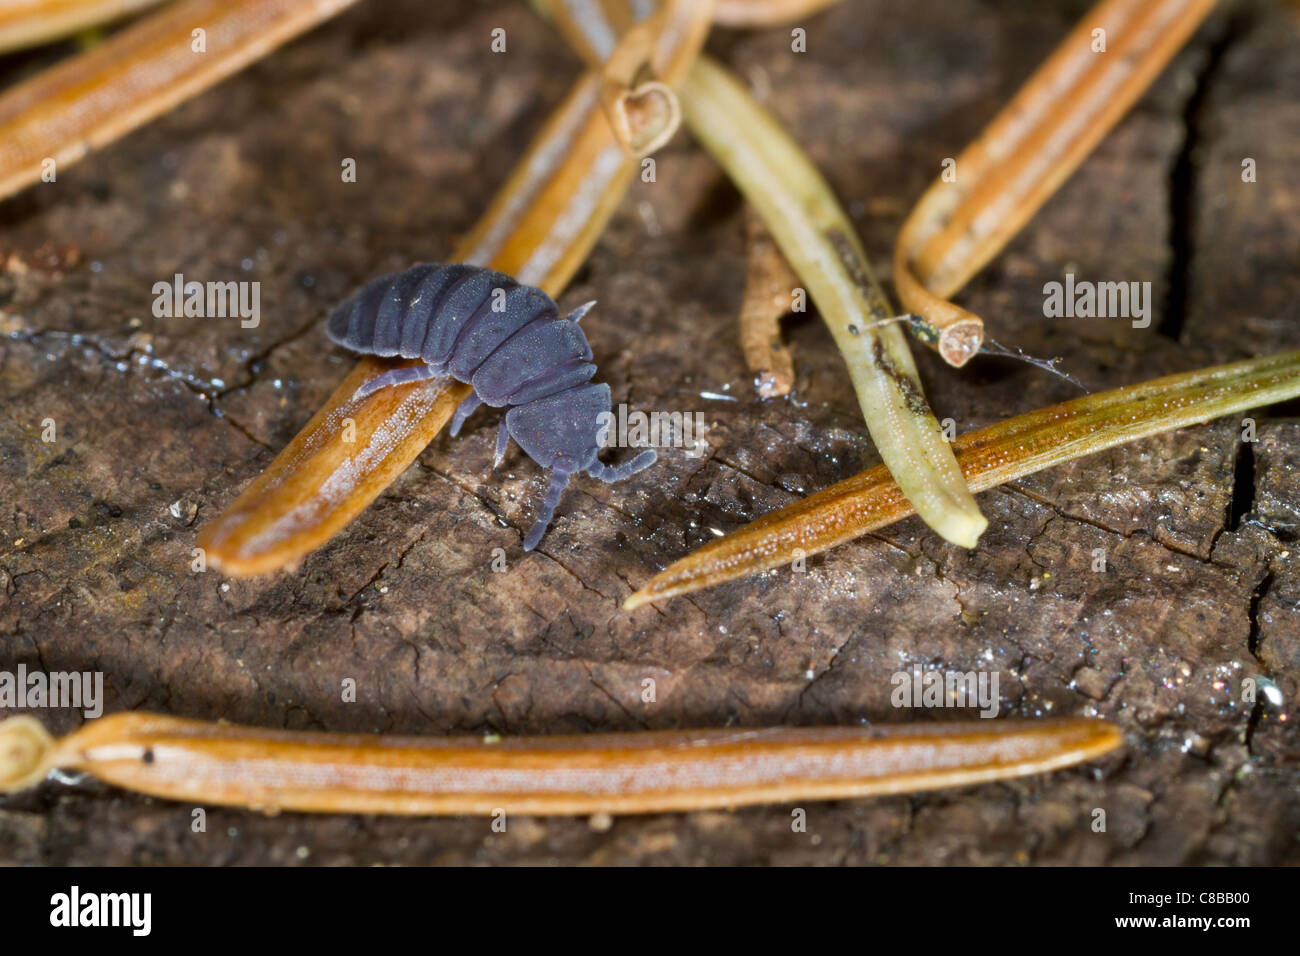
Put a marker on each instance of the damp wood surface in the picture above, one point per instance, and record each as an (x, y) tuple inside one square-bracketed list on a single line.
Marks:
[(161, 423)]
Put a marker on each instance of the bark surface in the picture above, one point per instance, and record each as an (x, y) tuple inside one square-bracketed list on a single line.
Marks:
[(161, 422)]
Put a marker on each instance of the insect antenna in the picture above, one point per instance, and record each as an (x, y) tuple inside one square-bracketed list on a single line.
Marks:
[(613, 473)]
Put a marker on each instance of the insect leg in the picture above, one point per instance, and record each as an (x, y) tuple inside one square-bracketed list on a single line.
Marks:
[(613, 473), (463, 411), (559, 481), (503, 439), (397, 376)]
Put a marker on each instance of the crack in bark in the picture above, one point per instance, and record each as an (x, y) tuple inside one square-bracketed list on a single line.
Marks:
[(1046, 502), (1243, 485), (1184, 181)]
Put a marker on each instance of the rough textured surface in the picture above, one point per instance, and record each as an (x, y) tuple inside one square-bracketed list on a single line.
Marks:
[(162, 421)]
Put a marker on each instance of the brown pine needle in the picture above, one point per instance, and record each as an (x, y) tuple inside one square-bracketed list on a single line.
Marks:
[(93, 98), (990, 456), (346, 455), (28, 23), (649, 772), (1024, 155), (539, 228), (643, 111), (769, 283)]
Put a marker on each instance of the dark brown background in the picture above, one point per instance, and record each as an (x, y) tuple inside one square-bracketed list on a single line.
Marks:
[(163, 415)]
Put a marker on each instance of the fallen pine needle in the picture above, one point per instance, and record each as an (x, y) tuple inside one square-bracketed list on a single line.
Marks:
[(1023, 156), (822, 247), (769, 284), (645, 772), (990, 456), (321, 480), (643, 111), (27, 23), (95, 97)]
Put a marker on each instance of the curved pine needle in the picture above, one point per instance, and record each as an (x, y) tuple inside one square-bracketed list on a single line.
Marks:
[(27, 753), (1024, 155), (348, 453), (645, 772), (822, 247), (768, 296), (644, 116), (93, 98), (28, 23), (643, 111), (990, 456), (539, 228)]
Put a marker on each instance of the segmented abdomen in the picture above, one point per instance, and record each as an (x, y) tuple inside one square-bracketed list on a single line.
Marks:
[(452, 316)]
